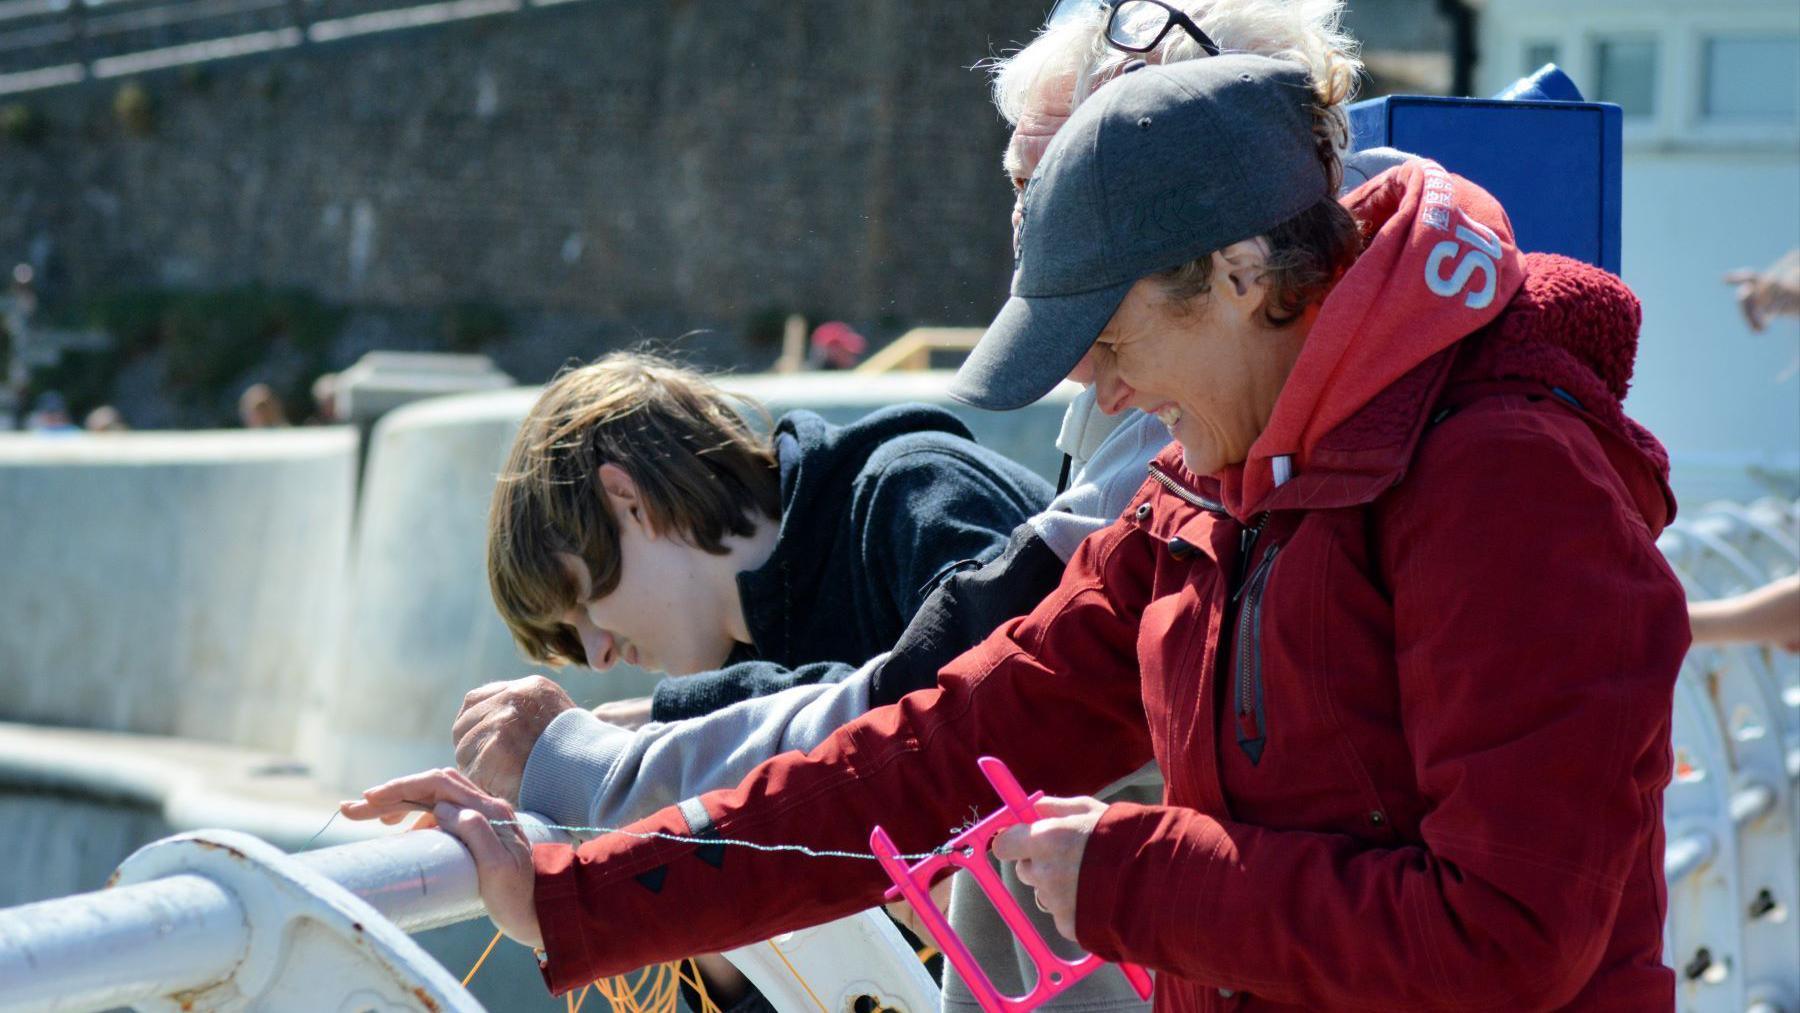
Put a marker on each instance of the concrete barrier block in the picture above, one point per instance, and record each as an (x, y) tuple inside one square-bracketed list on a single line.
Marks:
[(171, 584)]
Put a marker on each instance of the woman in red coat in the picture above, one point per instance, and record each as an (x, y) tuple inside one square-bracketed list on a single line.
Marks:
[(1390, 616)]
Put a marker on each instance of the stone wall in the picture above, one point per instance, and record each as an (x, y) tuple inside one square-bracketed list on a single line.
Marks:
[(604, 170)]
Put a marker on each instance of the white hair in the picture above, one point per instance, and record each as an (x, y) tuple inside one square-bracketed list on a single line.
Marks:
[(1307, 32)]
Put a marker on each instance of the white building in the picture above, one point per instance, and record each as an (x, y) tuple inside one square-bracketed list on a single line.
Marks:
[(1711, 96)]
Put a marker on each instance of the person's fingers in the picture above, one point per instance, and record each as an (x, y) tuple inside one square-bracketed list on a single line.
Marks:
[(386, 812), (460, 778), (428, 788), (477, 834), (1750, 304), (1741, 276), (1013, 844), (481, 801), (1051, 806), (408, 786), (482, 692), (1027, 871), (474, 712)]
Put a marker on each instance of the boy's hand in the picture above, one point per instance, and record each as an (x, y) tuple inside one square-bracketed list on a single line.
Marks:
[(503, 868), (498, 725), (627, 714)]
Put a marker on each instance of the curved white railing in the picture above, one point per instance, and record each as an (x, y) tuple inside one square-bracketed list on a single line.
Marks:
[(1732, 858), (220, 919)]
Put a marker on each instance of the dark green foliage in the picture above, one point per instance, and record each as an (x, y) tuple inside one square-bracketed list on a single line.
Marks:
[(470, 325), (84, 379), (763, 328), (134, 109), (22, 123), (197, 77), (209, 342)]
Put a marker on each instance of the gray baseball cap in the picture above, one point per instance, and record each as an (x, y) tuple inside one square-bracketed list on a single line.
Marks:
[(1160, 167)]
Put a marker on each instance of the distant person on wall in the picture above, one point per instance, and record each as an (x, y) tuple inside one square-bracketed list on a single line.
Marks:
[(105, 419), (1771, 613), (1768, 615), (835, 345), (260, 408), (50, 414), (326, 411), (1772, 292)]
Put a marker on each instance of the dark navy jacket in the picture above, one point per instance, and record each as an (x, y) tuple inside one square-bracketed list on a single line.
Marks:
[(875, 515)]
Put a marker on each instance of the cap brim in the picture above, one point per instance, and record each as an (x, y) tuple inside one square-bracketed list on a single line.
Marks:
[(1032, 345)]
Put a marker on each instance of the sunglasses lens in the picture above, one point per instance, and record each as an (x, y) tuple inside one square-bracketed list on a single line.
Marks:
[(1136, 24)]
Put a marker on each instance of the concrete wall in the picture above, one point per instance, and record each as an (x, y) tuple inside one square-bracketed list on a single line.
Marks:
[(171, 585), (421, 630)]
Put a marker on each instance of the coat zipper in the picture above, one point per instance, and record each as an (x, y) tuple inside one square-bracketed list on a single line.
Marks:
[(1167, 482), (1247, 632), (1246, 544), (1252, 730)]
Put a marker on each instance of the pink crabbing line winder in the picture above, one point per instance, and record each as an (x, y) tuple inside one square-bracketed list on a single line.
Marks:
[(969, 850)]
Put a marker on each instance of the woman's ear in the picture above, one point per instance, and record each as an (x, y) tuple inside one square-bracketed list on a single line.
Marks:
[(1242, 280), (622, 498)]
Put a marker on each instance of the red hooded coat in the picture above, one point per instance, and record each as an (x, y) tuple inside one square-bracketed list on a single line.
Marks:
[(1412, 703)]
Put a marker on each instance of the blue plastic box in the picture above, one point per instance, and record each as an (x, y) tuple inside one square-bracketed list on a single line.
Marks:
[(1554, 165)]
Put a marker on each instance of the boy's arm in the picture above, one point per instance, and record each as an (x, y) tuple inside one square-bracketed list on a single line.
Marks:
[(585, 772), (684, 697), (971, 604)]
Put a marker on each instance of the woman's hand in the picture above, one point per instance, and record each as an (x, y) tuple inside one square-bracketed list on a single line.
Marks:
[(502, 854), (1049, 854)]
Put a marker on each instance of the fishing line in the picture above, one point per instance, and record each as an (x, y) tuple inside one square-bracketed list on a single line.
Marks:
[(658, 835)]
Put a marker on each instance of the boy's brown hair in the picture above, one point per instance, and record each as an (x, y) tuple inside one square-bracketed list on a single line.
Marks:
[(701, 472)]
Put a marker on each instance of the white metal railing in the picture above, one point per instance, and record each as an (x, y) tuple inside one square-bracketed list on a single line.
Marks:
[(212, 919), (1732, 858)]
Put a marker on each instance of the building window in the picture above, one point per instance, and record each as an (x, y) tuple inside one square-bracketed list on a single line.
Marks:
[(1754, 78), (1626, 72), (1539, 53)]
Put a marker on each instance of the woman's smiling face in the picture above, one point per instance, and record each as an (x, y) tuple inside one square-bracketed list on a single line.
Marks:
[(1209, 367)]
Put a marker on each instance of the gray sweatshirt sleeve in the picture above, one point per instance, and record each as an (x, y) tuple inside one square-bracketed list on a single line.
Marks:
[(585, 772), (1102, 488)]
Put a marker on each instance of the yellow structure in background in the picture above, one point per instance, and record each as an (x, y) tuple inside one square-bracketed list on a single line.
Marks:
[(912, 351)]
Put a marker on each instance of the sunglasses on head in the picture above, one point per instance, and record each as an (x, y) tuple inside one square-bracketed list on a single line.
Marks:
[(1133, 26)]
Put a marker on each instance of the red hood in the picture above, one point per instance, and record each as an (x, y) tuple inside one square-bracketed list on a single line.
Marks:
[(1439, 266), (1574, 327), (1439, 263)]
